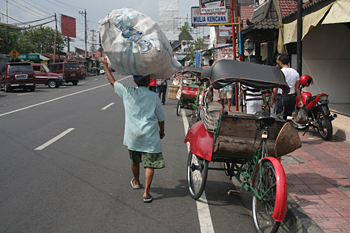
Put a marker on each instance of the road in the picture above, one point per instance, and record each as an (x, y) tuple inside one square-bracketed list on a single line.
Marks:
[(64, 168)]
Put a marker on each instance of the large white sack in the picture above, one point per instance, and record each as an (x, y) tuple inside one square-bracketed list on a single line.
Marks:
[(126, 57)]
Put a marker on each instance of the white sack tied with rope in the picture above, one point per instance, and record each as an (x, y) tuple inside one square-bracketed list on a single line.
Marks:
[(135, 45)]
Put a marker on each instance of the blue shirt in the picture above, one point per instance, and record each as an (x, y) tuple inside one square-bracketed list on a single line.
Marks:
[(226, 88), (143, 111)]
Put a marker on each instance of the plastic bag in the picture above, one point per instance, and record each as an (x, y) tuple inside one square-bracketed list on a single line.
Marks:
[(135, 45), (302, 116)]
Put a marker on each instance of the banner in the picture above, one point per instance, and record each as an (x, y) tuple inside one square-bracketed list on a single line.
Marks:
[(200, 20), (212, 6), (339, 13), (68, 26), (309, 21)]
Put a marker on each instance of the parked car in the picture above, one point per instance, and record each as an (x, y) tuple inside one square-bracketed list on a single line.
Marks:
[(44, 76), (102, 71), (71, 71), (17, 75)]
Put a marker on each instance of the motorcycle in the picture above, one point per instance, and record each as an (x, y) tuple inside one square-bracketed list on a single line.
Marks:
[(315, 112)]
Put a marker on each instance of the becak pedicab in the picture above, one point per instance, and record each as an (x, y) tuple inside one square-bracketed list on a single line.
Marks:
[(249, 146), (191, 91)]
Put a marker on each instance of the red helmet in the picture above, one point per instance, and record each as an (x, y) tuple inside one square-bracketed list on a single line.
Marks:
[(305, 80)]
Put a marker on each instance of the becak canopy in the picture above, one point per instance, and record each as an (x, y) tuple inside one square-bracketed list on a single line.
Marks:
[(225, 72)]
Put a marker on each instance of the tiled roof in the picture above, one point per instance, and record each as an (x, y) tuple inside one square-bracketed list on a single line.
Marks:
[(288, 6), (246, 13), (266, 24)]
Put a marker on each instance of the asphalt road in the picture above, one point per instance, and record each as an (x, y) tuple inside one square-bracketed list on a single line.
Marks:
[(63, 168)]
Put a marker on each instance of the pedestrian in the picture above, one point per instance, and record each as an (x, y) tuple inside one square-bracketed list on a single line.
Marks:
[(233, 100), (144, 127), (152, 85), (161, 89), (255, 99), (225, 93), (286, 101)]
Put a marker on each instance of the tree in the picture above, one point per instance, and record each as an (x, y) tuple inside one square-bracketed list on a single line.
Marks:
[(40, 40), (197, 45), (9, 36), (185, 33)]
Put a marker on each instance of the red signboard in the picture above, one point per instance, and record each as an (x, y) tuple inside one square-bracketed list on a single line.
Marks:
[(68, 26)]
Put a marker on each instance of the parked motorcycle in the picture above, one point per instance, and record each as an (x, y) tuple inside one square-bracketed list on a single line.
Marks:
[(315, 112)]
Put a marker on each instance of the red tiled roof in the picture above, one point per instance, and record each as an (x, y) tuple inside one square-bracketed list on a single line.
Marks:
[(246, 13), (288, 6)]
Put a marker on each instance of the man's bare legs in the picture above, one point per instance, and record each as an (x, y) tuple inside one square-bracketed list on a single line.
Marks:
[(222, 104), (136, 172), (149, 172), (229, 105)]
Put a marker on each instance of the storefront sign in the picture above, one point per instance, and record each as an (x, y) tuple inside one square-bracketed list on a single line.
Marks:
[(212, 6), (199, 19)]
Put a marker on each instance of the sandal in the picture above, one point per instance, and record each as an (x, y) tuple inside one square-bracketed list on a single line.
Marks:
[(148, 200), (133, 185)]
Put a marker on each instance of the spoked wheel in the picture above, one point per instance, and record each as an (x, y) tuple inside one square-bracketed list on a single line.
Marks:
[(178, 107), (195, 116), (325, 126), (197, 171), (265, 181)]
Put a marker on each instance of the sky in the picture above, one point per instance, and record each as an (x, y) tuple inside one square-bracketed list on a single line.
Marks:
[(21, 11)]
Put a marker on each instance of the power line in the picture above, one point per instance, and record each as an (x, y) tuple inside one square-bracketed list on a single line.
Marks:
[(36, 7), (10, 17), (60, 6), (24, 9), (30, 27), (33, 21), (70, 5)]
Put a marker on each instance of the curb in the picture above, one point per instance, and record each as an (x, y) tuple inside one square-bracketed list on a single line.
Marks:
[(296, 221)]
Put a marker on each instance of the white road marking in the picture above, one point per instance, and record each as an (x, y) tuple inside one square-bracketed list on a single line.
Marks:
[(203, 211), (95, 79), (54, 139), (81, 82), (104, 108), (58, 98), (25, 94)]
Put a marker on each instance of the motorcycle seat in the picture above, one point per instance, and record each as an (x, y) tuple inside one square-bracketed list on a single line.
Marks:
[(309, 99)]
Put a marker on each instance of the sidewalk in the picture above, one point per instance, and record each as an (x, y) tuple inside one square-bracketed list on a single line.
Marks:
[(318, 177)]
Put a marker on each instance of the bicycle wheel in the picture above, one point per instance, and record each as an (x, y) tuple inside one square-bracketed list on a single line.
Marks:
[(197, 171), (265, 180), (178, 107)]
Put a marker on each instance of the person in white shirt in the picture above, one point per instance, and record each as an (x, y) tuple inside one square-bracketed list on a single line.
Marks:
[(286, 101)]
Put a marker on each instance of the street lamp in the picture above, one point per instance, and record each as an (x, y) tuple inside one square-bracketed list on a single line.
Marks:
[(249, 47)]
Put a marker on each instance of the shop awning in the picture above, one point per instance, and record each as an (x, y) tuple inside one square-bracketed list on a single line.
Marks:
[(220, 47), (309, 21), (339, 13)]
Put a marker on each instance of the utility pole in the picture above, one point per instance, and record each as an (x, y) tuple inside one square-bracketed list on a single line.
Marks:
[(84, 13), (93, 41), (299, 37), (54, 46), (7, 11)]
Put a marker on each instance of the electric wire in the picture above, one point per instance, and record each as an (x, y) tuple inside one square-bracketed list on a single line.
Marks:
[(33, 21), (77, 8), (10, 18), (37, 7), (60, 6), (26, 10)]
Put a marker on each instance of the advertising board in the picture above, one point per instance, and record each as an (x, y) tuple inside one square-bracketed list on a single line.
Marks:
[(201, 20), (212, 6)]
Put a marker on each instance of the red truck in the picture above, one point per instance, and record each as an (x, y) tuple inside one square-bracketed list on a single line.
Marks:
[(44, 76)]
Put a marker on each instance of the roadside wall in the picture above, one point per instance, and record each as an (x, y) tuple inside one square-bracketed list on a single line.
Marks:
[(326, 58)]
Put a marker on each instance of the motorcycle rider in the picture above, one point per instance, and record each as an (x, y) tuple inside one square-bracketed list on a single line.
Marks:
[(286, 102)]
